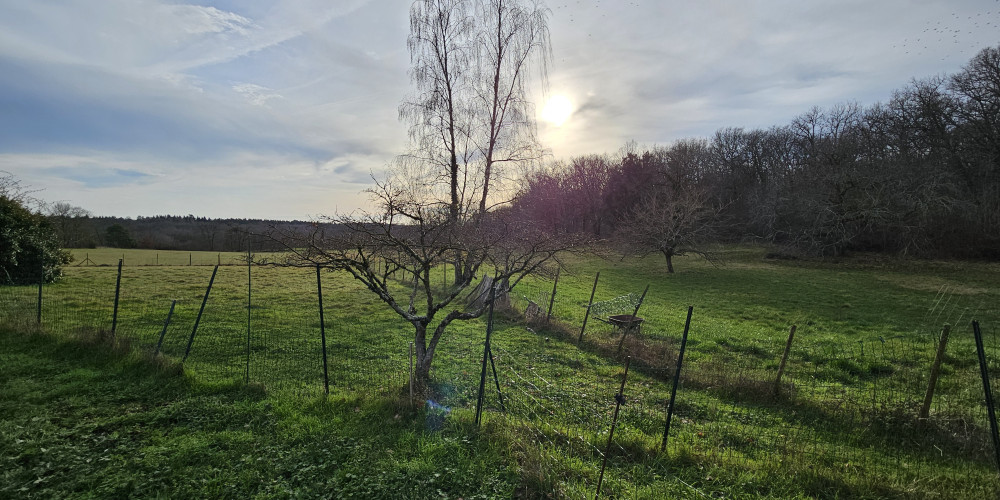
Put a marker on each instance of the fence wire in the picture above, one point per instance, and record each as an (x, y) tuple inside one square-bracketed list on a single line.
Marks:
[(276, 342)]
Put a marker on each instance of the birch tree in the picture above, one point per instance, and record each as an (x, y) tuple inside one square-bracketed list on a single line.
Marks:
[(470, 122)]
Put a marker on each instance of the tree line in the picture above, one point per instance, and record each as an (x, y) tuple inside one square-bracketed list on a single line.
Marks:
[(76, 228), (916, 175)]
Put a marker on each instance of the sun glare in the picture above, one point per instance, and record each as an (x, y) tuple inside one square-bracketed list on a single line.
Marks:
[(557, 110)]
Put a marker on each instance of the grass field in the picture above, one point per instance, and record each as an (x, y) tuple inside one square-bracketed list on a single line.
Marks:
[(843, 425)]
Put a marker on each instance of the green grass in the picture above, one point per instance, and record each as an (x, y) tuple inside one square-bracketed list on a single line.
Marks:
[(82, 419), (843, 426)]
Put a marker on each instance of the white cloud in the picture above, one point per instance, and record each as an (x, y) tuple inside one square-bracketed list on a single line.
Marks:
[(197, 20), (256, 94)]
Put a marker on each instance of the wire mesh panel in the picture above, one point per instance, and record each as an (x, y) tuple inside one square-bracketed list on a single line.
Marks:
[(218, 351), (19, 306)]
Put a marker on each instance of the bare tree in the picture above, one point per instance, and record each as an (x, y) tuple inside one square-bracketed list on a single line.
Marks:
[(472, 62), (673, 222), (72, 224), (13, 189), (513, 39), (976, 91), (440, 52), (394, 251)]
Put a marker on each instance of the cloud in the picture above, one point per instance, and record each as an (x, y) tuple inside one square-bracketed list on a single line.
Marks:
[(198, 20), (232, 108), (256, 94), (91, 175), (153, 36), (244, 185), (351, 174), (689, 69)]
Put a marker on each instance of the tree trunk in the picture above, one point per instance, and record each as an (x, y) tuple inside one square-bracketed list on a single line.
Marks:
[(422, 375), (669, 254), (422, 363), (463, 269)]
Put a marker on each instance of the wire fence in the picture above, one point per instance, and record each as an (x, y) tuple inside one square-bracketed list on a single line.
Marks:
[(853, 409), (275, 342), (858, 410)]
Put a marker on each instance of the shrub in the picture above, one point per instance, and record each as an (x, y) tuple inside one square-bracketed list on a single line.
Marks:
[(29, 247)]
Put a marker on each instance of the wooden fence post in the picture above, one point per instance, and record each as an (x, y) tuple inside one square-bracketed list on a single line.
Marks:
[(118, 288), (925, 410), (552, 299), (590, 303), (784, 359)]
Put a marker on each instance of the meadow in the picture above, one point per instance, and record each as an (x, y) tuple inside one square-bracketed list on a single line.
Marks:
[(843, 422)]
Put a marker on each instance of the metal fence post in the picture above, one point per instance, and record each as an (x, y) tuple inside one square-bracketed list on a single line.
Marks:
[(552, 299), (619, 400), (987, 390), (677, 377), (41, 279), (246, 373), (322, 330), (486, 354)]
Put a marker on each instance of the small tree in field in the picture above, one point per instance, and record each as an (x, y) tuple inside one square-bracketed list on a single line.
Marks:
[(672, 222), (394, 251)]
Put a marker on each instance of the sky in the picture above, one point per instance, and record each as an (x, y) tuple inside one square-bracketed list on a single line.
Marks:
[(285, 110)]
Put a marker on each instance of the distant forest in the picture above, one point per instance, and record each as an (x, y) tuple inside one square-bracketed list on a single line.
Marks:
[(76, 229)]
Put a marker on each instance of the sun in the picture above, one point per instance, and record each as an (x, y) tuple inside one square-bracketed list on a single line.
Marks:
[(557, 110)]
